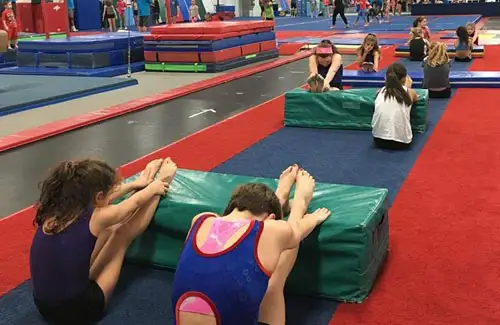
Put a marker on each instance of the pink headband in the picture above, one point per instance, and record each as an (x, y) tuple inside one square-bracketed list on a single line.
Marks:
[(324, 50)]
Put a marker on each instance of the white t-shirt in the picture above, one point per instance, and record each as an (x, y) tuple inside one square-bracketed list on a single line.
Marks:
[(391, 120)]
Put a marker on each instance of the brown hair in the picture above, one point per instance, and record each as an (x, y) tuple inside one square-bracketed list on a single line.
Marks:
[(370, 38), (70, 190), (418, 20), (257, 198), (416, 32), (393, 85)]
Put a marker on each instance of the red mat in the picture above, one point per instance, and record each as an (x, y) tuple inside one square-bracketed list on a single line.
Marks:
[(445, 248), (213, 27), (202, 37)]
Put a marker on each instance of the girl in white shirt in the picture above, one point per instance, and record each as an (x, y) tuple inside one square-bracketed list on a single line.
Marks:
[(391, 125)]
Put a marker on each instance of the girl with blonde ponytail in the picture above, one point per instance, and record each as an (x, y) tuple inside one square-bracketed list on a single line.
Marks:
[(437, 72)]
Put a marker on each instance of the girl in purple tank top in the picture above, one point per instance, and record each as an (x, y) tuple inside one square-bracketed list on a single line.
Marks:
[(79, 247)]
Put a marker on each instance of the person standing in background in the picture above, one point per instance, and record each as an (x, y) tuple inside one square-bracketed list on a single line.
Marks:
[(194, 12), (155, 11), (144, 10), (71, 15), (339, 9), (174, 10)]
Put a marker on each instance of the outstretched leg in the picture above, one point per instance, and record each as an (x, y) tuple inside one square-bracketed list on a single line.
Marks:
[(272, 309), (107, 263)]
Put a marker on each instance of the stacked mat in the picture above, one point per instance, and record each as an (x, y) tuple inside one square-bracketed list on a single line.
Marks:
[(404, 51), (81, 52), (8, 59), (209, 46), (340, 260), (349, 109)]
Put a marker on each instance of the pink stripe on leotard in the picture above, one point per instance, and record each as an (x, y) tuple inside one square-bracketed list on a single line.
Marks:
[(219, 234)]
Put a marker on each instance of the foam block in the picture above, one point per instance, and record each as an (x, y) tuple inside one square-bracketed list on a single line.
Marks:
[(477, 51), (349, 109), (340, 260), (209, 67), (214, 27), (458, 79)]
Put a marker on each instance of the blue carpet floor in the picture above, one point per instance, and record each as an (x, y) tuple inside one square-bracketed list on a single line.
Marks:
[(21, 93), (342, 157), (398, 23)]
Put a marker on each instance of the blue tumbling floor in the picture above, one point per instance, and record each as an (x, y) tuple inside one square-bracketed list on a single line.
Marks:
[(21, 93), (397, 23)]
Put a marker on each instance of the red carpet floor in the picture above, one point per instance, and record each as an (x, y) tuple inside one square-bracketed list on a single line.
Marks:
[(445, 248), (17, 231)]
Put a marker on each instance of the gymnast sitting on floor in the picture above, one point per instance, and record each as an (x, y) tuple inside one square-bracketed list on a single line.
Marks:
[(368, 54), (233, 268), (463, 45), (327, 62), (391, 126), (437, 72), (473, 33), (79, 247)]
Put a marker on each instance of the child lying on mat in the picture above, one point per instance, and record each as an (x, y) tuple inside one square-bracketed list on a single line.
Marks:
[(233, 267), (327, 62), (437, 72), (368, 54), (80, 243), (391, 127)]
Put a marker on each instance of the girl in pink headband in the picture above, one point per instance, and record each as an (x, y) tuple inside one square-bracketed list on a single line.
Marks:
[(327, 63)]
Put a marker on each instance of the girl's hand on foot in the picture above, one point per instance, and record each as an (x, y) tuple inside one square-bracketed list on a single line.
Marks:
[(159, 187)]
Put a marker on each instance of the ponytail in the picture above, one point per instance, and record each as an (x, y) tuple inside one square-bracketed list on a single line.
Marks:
[(393, 86)]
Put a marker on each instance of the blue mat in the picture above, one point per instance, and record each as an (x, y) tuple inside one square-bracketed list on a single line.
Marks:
[(143, 296), (451, 48), (101, 72), (83, 44), (21, 93), (459, 76), (398, 23), (207, 46), (343, 41)]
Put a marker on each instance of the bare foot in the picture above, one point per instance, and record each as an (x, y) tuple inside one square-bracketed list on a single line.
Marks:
[(152, 168), (285, 183), (167, 170), (304, 186), (320, 215)]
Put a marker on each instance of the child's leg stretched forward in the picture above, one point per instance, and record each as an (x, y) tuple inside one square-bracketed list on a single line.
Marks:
[(109, 252), (272, 309)]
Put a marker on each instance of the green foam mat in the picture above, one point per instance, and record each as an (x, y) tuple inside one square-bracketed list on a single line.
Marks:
[(348, 109), (339, 260), (211, 67)]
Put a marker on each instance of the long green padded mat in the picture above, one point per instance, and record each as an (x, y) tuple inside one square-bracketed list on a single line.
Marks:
[(349, 109), (340, 260)]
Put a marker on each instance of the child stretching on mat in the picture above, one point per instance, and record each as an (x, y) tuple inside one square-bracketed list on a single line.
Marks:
[(391, 127), (81, 240), (437, 72), (233, 268), (327, 62), (473, 33), (109, 14), (368, 54), (418, 44), (9, 24), (463, 45)]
